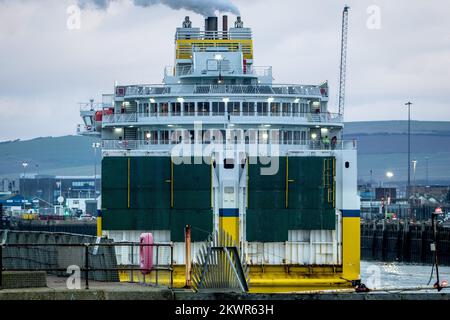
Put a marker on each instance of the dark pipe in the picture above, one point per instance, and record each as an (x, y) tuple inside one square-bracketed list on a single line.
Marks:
[(211, 24), (225, 26)]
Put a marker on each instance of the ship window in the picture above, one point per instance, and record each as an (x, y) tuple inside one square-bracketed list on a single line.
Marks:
[(234, 108), (295, 109), (153, 108), (262, 108), (143, 108), (303, 109), (203, 108), (275, 108), (347, 164), (228, 190), (287, 137), (88, 120), (285, 109), (218, 108), (175, 108), (165, 134), (189, 108), (163, 109), (303, 136), (206, 134), (217, 136), (228, 163), (296, 137), (248, 108), (154, 137)]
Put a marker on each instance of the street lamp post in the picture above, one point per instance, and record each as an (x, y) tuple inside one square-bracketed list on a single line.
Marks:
[(426, 173), (25, 165), (389, 175), (409, 149), (414, 162)]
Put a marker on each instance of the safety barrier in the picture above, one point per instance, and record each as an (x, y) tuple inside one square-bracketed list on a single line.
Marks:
[(93, 258)]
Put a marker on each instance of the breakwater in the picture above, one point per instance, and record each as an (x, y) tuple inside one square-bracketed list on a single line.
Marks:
[(404, 242)]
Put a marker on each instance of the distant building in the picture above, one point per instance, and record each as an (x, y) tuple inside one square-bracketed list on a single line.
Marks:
[(383, 193), (16, 203), (49, 187), (437, 193), (9, 185)]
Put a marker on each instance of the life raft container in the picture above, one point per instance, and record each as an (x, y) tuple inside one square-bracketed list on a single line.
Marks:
[(146, 252)]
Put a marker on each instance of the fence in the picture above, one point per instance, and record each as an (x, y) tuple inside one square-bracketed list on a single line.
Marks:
[(90, 258), (405, 243)]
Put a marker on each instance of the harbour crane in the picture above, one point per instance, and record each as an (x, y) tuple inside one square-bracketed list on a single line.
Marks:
[(343, 66)]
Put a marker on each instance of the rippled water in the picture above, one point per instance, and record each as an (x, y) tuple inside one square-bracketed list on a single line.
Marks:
[(394, 274)]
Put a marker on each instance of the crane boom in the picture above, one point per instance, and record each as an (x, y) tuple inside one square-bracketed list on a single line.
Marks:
[(343, 66)]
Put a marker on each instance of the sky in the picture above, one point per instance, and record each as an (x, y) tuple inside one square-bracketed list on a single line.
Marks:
[(397, 51)]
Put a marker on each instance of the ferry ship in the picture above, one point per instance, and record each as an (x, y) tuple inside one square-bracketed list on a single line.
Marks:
[(220, 147)]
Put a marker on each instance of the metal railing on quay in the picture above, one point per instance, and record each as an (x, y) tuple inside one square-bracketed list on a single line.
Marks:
[(98, 262)]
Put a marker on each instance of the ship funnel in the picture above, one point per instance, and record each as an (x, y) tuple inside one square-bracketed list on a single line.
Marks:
[(225, 27), (211, 24), (211, 27)]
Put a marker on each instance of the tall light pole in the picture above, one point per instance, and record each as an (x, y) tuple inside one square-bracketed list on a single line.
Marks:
[(414, 162), (389, 175), (95, 145), (426, 173), (409, 149), (25, 165)]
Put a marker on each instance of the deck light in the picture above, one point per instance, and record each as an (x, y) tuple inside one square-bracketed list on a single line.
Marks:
[(152, 100), (313, 136), (226, 100), (180, 100), (297, 100), (270, 99), (389, 174)]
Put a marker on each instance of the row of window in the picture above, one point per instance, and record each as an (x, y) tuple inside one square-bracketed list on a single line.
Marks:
[(232, 108), (177, 136)]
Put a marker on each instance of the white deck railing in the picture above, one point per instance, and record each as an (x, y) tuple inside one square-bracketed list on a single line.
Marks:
[(302, 144)]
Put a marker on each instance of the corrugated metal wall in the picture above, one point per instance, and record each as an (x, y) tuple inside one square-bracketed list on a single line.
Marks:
[(310, 204), (136, 195)]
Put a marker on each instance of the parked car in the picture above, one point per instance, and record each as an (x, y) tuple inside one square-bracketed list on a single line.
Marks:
[(86, 217)]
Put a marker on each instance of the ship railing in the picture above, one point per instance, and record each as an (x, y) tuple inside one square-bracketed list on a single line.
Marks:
[(256, 139), (120, 117), (263, 71), (96, 106), (96, 260), (260, 89), (189, 34), (325, 117)]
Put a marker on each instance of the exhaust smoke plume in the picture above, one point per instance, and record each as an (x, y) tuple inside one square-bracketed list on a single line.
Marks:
[(203, 7)]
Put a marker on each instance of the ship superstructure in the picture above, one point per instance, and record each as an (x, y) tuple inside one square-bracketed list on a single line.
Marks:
[(218, 146)]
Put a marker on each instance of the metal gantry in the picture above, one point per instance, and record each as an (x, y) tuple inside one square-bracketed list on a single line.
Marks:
[(343, 65)]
